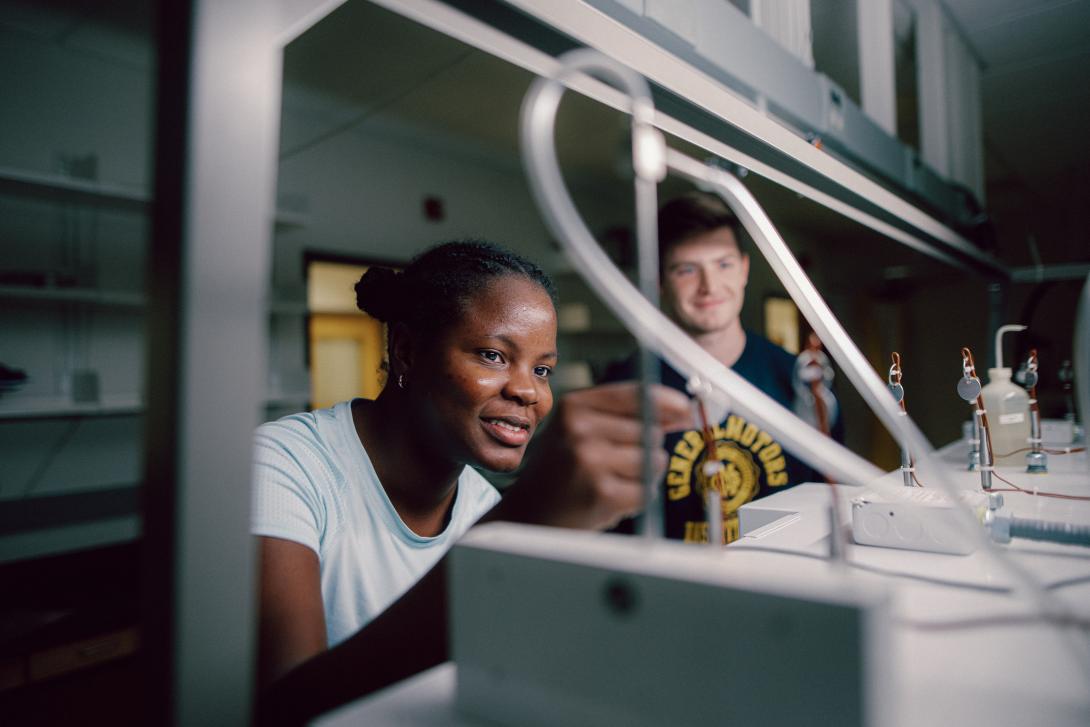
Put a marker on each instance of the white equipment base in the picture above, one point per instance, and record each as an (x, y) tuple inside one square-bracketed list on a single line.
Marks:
[(1003, 674)]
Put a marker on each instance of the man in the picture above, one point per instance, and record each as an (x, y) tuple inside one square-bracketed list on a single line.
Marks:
[(704, 270)]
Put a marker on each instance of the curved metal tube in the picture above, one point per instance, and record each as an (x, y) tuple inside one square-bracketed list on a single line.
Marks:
[(653, 330), (639, 315)]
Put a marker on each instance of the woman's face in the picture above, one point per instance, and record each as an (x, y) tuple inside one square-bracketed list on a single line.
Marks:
[(486, 378)]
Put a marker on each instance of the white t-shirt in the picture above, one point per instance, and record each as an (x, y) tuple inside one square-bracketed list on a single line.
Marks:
[(314, 484)]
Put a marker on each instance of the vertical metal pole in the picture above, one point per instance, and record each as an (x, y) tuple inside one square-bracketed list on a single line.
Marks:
[(906, 462), (974, 446), (174, 35), (987, 456), (1081, 356), (997, 314), (207, 340), (713, 513), (648, 272)]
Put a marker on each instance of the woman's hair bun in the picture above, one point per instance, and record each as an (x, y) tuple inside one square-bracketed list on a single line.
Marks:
[(379, 293)]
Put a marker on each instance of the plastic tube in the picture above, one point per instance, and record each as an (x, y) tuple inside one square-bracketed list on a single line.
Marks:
[(1052, 532)]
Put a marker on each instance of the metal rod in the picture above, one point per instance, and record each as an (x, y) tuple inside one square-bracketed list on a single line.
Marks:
[(898, 389), (713, 507), (974, 447), (647, 244), (987, 460), (1036, 459)]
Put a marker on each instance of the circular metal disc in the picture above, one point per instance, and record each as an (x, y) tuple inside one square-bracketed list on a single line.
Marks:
[(898, 392), (969, 388), (1029, 379)]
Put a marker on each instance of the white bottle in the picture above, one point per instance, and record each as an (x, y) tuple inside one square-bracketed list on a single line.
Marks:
[(1007, 405)]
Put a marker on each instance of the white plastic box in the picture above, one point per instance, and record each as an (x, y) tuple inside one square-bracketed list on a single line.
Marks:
[(554, 627)]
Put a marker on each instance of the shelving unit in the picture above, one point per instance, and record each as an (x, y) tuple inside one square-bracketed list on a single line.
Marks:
[(55, 524), (57, 186), (43, 407), (55, 407), (64, 189), (71, 189), (74, 295)]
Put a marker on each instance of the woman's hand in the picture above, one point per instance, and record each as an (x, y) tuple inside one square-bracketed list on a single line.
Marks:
[(586, 472)]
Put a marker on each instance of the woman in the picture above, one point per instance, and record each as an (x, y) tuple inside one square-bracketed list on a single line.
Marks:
[(355, 503)]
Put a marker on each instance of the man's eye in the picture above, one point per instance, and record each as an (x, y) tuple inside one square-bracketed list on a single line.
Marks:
[(543, 371), (726, 264), (492, 356), (687, 270)]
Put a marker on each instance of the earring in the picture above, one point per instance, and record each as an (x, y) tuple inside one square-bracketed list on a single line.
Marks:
[(401, 381)]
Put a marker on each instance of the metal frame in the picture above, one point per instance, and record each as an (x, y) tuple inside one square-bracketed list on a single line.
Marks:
[(763, 145), (218, 99), (217, 122), (652, 159)]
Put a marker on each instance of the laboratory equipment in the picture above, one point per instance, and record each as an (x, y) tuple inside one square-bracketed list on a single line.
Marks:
[(1004, 527), (1066, 377), (814, 399), (1036, 459), (925, 520), (552, 627), (715, 475), (1008, 407), (969, 389), (651, 160), (897, 389)]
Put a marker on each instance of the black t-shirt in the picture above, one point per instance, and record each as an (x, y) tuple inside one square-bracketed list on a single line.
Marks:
[(756, 464)]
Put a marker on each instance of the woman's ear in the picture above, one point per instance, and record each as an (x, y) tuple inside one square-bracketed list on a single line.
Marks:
[(401, 351)]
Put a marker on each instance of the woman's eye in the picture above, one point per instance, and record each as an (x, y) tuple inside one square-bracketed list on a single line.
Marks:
[(492, 356), (543, 371)]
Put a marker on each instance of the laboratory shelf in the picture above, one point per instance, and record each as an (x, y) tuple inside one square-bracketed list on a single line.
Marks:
[(56, 186), (62, 188), (47, 525), (74, 295), (56, 407), (117, 298)]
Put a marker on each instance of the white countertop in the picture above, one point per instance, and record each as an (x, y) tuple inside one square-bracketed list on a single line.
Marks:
[(990, 670)]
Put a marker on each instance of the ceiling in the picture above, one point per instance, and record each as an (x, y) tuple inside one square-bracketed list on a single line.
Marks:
[(375, 65), (1035, 104), (1036, 108)]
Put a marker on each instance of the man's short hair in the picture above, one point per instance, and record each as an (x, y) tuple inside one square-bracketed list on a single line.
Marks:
[(692, 214)]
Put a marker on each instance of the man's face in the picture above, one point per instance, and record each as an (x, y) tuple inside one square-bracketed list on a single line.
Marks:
[(704, 282)]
